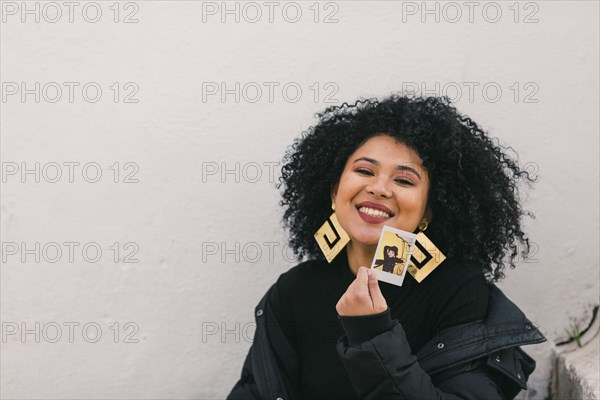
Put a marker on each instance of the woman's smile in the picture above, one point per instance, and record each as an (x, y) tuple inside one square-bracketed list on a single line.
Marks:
[(374, 213)]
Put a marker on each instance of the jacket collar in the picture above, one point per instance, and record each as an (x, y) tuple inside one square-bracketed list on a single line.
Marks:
[(505, 326)]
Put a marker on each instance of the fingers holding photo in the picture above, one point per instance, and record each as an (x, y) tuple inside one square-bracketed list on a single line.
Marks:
[(363, 296)]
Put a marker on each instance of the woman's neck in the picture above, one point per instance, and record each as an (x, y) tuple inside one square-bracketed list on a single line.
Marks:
[(359, 256)]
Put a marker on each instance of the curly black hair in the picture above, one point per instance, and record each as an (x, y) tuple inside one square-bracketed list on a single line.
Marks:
[(474, 191)]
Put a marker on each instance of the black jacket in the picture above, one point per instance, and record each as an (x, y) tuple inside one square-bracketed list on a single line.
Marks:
[(478, 360)]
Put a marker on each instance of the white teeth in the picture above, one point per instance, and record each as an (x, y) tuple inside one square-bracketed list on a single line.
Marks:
[(374, 213)]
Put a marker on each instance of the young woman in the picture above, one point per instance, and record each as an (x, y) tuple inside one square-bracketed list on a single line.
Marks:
[(390, 262), (331, 330)]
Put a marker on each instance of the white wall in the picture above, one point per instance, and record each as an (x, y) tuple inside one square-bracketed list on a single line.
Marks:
[(175, 215)]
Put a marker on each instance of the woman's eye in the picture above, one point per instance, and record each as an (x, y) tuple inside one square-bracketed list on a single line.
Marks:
[(404, 181), (369, 173)]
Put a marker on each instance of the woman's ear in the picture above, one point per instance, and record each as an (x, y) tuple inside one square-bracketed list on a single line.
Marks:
[(334, 192), (428, 214)]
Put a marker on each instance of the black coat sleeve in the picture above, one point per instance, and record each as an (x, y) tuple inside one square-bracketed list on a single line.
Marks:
[(245, 388), (272, 365), (383, 366)]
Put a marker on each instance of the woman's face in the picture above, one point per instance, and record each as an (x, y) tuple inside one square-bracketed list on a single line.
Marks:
[(383, 183)]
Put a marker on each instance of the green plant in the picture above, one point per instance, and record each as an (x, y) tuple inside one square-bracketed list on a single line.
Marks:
[(575, 333)]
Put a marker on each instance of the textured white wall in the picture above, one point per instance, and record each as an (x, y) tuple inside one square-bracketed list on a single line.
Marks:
[(182, 222)]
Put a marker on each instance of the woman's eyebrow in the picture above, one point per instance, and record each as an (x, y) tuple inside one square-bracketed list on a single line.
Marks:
[(400, 167)]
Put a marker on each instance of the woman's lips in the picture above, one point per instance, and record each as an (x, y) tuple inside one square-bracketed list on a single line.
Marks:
[(372, 219)]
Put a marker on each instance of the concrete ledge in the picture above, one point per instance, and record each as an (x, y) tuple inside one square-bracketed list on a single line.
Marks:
[(576, 371)]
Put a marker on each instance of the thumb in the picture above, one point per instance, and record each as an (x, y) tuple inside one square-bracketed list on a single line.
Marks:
[(363, 279), (379, 303)]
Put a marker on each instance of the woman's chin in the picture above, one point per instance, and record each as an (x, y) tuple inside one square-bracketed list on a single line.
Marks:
[(366, 240)]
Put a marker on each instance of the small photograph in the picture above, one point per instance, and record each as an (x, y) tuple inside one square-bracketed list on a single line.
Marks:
[(393, 254), (390, 261)]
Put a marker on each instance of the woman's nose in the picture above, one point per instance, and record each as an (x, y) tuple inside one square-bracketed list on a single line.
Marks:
[(380, 187)]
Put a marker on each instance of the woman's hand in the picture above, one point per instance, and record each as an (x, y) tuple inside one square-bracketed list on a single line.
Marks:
[(363, 296)]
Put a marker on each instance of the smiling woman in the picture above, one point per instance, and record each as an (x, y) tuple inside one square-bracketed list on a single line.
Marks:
[(380, 184), (334, 331)]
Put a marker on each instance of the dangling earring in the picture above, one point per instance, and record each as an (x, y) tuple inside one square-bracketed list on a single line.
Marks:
[(425, 256), (331, 237)]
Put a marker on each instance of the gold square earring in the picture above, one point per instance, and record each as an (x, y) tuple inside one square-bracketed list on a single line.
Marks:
[(425, 256), (331, 237)]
